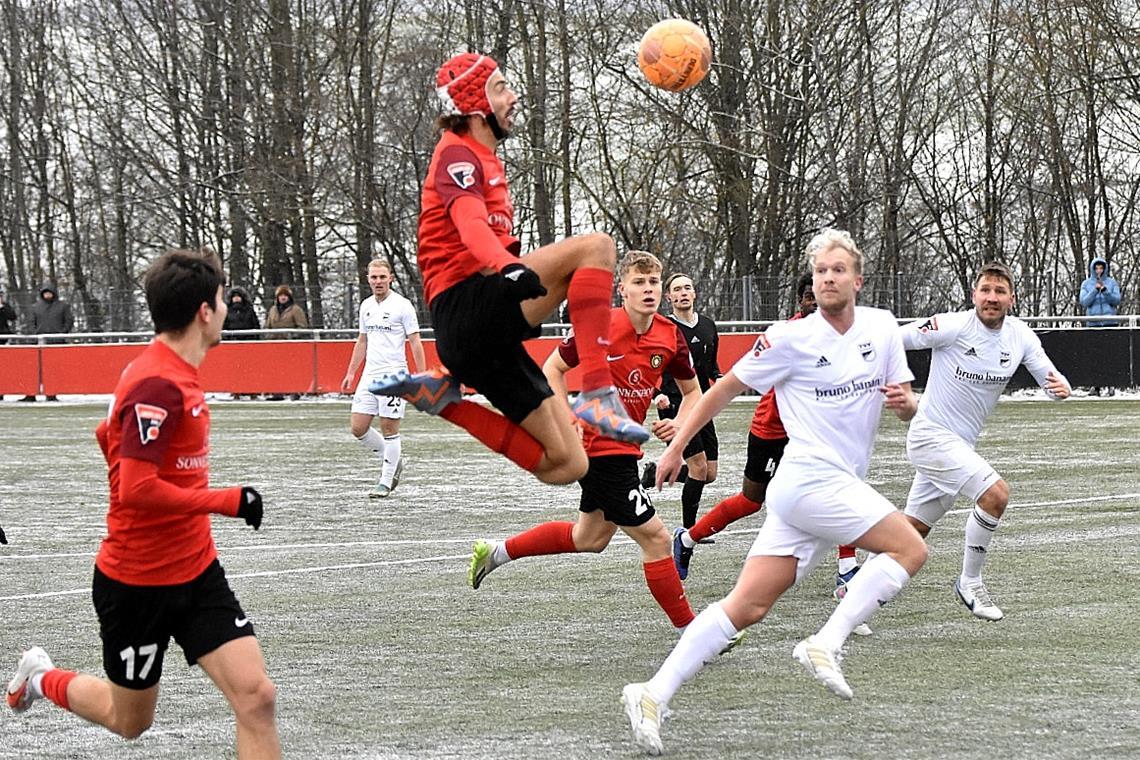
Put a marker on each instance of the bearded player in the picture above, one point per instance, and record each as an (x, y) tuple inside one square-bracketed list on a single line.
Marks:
[(485, 300)]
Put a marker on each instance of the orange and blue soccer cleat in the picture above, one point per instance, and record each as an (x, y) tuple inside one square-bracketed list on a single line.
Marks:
[(602, 409), (429, 391)]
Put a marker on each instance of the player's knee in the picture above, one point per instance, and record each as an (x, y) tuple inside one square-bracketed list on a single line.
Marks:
[(132, 726), (256, 703), (914, 554), (699, 471), (600, 250), (359, 430), (922, 528), (995, 499)]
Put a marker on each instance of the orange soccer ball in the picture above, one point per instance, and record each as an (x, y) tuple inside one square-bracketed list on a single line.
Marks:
[(674, 54)]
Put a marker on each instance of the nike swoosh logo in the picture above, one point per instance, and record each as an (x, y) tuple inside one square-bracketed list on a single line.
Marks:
[(614, 358), (494, 181), (196, 411), (241, 622)]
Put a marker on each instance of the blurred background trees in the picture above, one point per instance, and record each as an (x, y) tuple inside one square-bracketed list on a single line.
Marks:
[(291, 136)]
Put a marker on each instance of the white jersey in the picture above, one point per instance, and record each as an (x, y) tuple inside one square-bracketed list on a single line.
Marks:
[(387, 324), (970, 366), (827, 384)]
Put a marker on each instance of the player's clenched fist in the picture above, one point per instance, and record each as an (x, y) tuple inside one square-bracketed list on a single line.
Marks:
[(251, 507)]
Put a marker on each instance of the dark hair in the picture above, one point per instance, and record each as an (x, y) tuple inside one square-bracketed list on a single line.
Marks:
[(674, 276), (995, 269), (177, 283), (453, 123), (803, 284)]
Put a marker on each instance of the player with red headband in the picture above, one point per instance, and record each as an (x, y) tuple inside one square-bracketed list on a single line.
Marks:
[(485, 300)]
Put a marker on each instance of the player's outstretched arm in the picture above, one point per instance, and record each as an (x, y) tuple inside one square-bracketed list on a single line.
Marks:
[(141, 488), (709, 406)]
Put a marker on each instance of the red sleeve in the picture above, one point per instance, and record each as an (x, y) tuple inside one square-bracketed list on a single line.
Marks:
[(469, 215), (141, 488), (149, 414), (680, 367), (568, 350), (458, 173)]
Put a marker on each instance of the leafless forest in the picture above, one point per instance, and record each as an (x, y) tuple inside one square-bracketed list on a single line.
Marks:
[(291, 136)]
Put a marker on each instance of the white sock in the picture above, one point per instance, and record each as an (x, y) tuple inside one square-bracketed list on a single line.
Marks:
[(499, 554), (845, 564), (392, 450), (980, 527), (876, 583), (36, 686), (373, 441), (702, 641), (687, 540)]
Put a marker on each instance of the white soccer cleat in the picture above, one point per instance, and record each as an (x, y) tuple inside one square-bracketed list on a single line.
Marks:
[(645, 716), (379, 491), (977, 600), (32, 662), (482, 562), (862, 630), (823, 664), (396, 475)]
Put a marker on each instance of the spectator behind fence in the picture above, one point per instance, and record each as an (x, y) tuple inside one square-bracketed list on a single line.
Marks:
[(286, 313), (1100, 294), (7, 319), (50, 316), (241, 315)]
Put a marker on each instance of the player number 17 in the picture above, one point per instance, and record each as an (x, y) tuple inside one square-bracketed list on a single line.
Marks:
[(128, 656)]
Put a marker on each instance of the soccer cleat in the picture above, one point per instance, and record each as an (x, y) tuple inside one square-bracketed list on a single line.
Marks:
[(427, 391), (482, 562), (977, 600), (733, 642), (644, 715), (396, 475), (602, 409), (649, 475), (862, 630), (841, 581), (32, 662), (681, 554), (823, 664), (380, 491)]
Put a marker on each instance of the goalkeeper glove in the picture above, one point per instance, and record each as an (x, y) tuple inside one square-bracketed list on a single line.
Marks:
[(251, 507), (522, 282)]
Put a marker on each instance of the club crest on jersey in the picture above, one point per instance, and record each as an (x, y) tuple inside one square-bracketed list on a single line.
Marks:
[(150, 419), (867, 351), (634, 378), (656, 360), (462, 173), (1003, 360), (928, 325), (762, 344)]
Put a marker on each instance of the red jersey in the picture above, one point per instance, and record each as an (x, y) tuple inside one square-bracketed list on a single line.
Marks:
[(636, 365), (766, 421), (156, 443), (463, 167)]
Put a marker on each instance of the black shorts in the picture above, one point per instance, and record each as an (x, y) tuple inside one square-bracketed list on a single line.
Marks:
[(613, 486), (705, 440), (763, 458), (479, 334), (136, 623)]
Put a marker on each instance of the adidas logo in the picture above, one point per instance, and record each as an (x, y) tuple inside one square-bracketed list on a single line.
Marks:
[(971, 352), (695, 339), (823, 362)]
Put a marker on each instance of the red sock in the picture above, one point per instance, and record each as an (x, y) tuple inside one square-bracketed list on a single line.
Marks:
[(728, 511), (496, 432), (548, 538), (588, 299), (847, 551), (54, 686), (665, 585)]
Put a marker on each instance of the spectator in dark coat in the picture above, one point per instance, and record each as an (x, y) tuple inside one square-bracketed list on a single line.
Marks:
[(241, 315), (7, 318), (49, 313)]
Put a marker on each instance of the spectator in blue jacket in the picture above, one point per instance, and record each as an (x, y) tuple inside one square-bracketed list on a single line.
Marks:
[(1100, 294)]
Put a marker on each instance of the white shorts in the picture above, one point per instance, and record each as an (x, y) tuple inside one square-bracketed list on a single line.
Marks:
[(388, 407), (811, 512), (946, 466)]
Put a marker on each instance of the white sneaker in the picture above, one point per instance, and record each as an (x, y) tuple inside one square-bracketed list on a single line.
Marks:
[(482, 562), (379, 491), (823, 664), (644, 715), (862, 630), (32, 662), (977, 600)]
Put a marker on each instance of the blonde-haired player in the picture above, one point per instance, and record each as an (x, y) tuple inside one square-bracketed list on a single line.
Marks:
[(387, 321)]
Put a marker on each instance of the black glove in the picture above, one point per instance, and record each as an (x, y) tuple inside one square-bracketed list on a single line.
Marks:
[(3, 538), (522, 282), (251, 507)]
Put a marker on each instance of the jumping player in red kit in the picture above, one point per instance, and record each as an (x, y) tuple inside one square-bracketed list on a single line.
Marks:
[(645, 344), (485, 300), (157, 574)]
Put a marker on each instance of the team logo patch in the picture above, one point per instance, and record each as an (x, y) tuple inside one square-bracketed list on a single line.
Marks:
[(150, 419), (929, 325), (762, 344), (462, 173), (634, 377), (1003, 360), (656, 360), (867, 351)]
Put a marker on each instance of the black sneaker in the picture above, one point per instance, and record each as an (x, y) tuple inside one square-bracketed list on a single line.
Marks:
[(681, 554), (649, 475)]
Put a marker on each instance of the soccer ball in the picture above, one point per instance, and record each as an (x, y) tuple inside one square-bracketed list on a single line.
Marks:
[(674, 54)]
